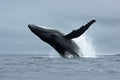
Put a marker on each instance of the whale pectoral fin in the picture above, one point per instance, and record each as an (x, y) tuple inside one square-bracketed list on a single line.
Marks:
[(80, 31)]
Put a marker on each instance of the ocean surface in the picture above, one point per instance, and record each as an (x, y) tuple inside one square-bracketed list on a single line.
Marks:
[(40, 67)]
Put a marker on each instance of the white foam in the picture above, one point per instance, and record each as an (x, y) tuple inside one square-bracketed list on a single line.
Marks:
[(86, 47)]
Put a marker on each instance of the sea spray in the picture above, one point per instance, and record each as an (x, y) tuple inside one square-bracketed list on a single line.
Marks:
[(86, 47)]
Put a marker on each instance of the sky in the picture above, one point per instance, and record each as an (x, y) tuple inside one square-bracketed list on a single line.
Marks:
[(63, 15)]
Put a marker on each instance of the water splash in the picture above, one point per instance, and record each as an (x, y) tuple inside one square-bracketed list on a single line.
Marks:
[(86, 47)]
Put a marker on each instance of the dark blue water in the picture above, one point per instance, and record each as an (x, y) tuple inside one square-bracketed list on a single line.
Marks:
[(38, 67)]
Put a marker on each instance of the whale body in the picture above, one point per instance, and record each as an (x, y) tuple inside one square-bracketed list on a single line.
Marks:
[(62, 43)]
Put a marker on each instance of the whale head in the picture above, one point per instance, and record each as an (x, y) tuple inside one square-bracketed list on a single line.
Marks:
[(44, 33)]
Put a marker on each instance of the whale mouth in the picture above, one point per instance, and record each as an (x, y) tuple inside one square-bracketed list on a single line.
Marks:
[(40, 31), (35, 28)]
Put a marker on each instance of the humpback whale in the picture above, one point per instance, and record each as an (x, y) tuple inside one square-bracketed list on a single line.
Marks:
[(62, 43)]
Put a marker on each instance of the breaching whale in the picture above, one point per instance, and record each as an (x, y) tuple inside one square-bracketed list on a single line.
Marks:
[(63, 44)]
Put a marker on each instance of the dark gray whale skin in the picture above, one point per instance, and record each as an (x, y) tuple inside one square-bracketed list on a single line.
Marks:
[(63, 44)]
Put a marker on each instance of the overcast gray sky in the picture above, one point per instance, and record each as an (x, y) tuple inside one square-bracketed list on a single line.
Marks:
[(64, 15)]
